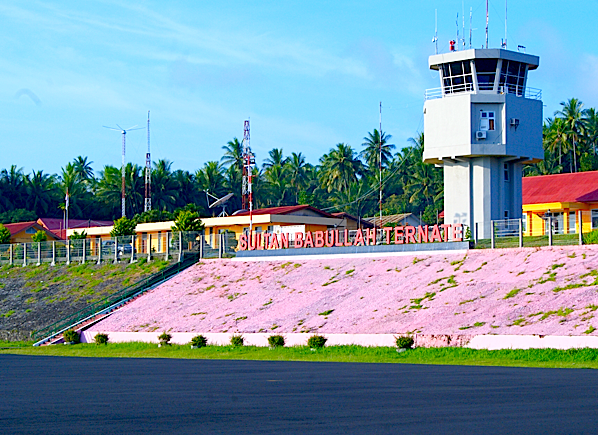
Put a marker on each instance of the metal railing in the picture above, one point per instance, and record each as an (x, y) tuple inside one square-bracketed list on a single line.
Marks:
[(118, 249), (512, 233), (112, 301), (527, 92)]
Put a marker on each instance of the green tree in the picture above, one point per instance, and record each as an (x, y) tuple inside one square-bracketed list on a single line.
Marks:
[(39, 236), (123, 227), (275, 158), (78, 236), (42, 193), (4, 235), (187, 221), (340, 168), (572, 114), (371, 153), (233, 155)]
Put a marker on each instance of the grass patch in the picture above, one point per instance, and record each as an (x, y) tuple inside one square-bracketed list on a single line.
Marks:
[(553, 358), (512, 293), (325, 313)]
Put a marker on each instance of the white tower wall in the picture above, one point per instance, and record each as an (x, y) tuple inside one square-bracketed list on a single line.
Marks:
[(482, 126)]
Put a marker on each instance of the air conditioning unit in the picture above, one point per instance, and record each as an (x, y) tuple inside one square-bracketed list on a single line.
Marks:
[(515, 122), (480, 135)]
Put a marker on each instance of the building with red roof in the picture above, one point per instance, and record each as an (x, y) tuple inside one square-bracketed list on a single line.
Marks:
[(57, 226), (566, 198), (22, 232)]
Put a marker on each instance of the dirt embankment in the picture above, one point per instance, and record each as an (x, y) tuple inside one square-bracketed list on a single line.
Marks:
[(33, 297), (547, 291)]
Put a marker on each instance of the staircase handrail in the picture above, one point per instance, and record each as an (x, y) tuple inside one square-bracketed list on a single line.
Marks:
[(95, 307)]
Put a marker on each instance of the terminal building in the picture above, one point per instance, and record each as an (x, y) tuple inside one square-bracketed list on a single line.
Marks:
[(482, 125)]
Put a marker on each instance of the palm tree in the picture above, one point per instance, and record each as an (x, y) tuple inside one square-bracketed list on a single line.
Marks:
[(211, 179), (165, 188), (13, 183), (71, 184), (340, 168), (591, 128), (276, 158), (42, 193), (83, 168), (275, 179), (233, 155), (572, 115), (371, 153), (296, 169), (556, 138)]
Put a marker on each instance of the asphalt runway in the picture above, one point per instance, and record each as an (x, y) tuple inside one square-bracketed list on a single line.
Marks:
[(51, 395)]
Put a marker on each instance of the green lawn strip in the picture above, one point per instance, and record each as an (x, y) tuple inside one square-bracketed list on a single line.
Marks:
[(549, 358)]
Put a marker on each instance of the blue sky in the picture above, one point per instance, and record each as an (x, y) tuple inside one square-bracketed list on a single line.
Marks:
[(309, 74)]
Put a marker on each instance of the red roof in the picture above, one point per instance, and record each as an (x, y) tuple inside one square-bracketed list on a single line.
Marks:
[(57, 224), (287, 209), (575, 187), (20, 226)]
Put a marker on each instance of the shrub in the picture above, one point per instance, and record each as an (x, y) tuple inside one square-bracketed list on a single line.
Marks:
[(199, 341), (40, 236), (237, 340), (123, 227), (4, 235), (590, 238), (164, 338), (77, 236), (276, 341), (101, 338), (404, 342), (187, 221), (316, 341), (71, 336)]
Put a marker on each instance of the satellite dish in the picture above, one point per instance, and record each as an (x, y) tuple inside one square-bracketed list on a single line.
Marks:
[(220, 202)]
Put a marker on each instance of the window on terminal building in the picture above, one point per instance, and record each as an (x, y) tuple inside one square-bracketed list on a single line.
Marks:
[(595, 219), (486, 121)]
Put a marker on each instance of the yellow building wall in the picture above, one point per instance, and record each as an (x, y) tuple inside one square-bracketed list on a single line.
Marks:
[(536, 225)]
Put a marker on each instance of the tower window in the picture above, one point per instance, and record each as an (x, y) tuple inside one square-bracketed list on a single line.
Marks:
[(457, 77), (486, 121), (486, 72), (512, 77), (506, 170)]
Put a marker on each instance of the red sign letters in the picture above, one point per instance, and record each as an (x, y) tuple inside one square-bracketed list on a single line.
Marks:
[(331, 238)]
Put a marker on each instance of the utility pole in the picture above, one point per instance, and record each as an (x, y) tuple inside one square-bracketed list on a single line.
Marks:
[(147, 205), (380, 162)]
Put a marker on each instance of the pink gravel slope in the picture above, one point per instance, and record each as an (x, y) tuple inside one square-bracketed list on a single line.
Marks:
[(548, 291)]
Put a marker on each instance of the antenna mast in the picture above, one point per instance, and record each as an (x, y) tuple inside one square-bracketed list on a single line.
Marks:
[(435, 39), (505, 43), (463, 18), (147, 205), (457, 24), (380, 162), (486, 23), (122, 168), (470, 25), (249, 160)]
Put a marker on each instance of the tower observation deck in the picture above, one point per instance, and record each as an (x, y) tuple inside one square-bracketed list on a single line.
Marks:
[(482, 125)]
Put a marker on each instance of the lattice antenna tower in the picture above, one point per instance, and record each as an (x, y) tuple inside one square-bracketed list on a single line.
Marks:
[(147, 205), (248, 162), (122, 169)]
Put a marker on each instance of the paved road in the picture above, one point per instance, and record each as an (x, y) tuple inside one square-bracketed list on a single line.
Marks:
[(87, 395)]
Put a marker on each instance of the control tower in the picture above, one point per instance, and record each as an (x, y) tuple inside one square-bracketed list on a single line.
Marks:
[(482, 125)]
